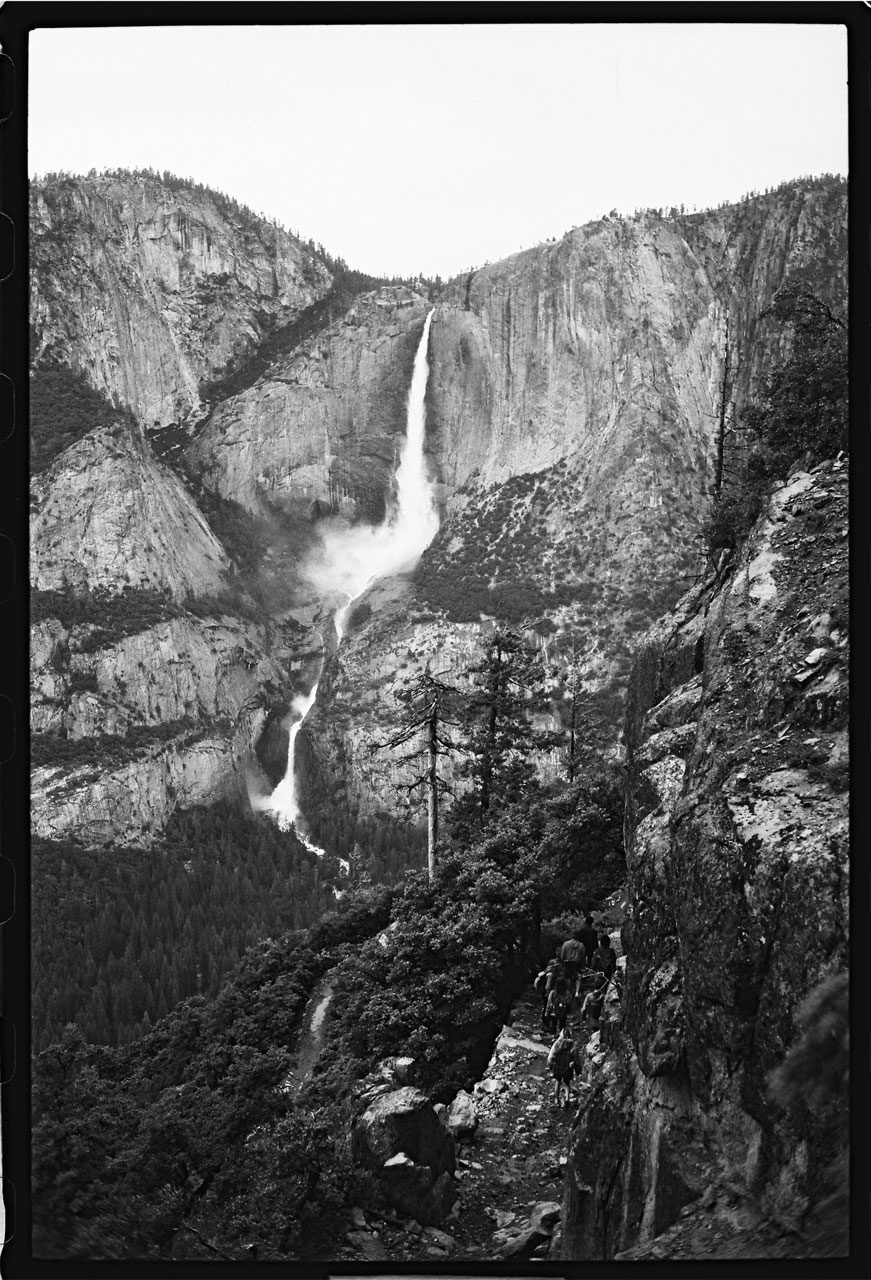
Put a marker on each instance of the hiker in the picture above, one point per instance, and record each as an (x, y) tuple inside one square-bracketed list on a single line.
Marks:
[(558, 1006), (544, 984), (589, 937), (604, 957), (591, 1009), (574, 959), (563, 1062)]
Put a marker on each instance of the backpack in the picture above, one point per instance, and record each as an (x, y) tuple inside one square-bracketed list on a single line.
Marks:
[(561, 1057), (558, 1003)]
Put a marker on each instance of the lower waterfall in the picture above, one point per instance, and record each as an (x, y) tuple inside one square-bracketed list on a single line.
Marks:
[(360, 556)]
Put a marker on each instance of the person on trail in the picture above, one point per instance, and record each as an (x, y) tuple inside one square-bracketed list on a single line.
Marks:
[(574, 959), (591, 1009), (544, 984), (589, 937), (563, 1061), (558, 1006), (604, 957)]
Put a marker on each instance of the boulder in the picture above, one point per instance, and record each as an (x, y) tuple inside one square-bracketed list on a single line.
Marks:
[(545, 1215), (462, 1117), (440, 1238), (490, 1085), (403, 1121), (395, 1070), (525, 1244), (413, 1189), (368, 1246)]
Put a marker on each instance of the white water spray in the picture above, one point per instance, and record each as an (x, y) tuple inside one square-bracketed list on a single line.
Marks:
[(356, 557)]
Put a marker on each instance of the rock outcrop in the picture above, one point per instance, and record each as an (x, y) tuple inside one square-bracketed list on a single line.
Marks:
[(107, 514), (151, 287), (200, 668), (400, 1137), (737, 846), (104, 803)]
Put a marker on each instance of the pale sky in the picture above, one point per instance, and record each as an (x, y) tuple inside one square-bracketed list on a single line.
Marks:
[(431, 149)]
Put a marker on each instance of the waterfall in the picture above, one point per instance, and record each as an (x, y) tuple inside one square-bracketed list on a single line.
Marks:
[(357, 557)]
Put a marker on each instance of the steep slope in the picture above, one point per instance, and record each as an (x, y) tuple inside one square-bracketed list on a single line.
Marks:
[(151, 286), (574, 403), (141, 701), (737, 848), (320, 430), (107, 514)]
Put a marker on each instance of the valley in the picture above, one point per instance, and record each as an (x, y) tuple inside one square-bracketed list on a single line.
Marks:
[(304, 493)]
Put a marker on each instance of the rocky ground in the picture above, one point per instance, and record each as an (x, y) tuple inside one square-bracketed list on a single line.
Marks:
[(509, 1172)]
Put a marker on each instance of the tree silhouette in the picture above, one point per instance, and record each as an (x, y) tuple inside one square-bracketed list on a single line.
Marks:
[(503, 739), (430, 703)]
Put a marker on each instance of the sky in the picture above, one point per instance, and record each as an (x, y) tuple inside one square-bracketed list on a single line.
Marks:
[(434, 148)]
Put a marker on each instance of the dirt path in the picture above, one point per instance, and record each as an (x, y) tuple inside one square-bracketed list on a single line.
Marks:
[(516, 1160), (519, 1153)]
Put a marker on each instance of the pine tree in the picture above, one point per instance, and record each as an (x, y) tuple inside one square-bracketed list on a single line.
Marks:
[(503, 740), (430, 704), (579, 702)]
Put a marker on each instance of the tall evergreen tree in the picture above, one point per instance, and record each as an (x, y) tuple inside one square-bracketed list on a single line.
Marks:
[(431, 704), (503, 739)]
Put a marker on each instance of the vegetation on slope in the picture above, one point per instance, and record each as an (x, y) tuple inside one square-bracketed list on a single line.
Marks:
[(187, 1144), (63, 408), (464, 942), (120, 938), (139, 1151), (801, 416)]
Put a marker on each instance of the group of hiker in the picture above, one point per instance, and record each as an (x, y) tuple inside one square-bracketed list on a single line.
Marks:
[(585, 965)]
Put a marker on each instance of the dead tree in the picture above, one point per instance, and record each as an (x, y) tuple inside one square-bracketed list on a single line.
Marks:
[(429, 703)]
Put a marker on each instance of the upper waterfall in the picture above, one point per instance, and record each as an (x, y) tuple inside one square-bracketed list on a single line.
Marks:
[(353, 558)]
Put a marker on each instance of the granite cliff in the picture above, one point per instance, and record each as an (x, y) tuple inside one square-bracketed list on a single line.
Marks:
[(574, 400), (737, 854), (152, 287)]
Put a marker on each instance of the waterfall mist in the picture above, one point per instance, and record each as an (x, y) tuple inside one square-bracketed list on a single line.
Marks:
[(351, 557)]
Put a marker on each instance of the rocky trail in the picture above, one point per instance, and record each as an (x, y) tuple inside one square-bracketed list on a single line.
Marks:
[(511, 1157)]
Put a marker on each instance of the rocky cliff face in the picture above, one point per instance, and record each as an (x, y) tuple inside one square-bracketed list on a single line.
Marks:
[(321, 430), (571, 414), (125, 732), (574, 399), (151, 287), (737, 847), (107, 514)]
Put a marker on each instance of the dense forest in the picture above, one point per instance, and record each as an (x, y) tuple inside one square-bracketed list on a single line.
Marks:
[(121, 938)]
